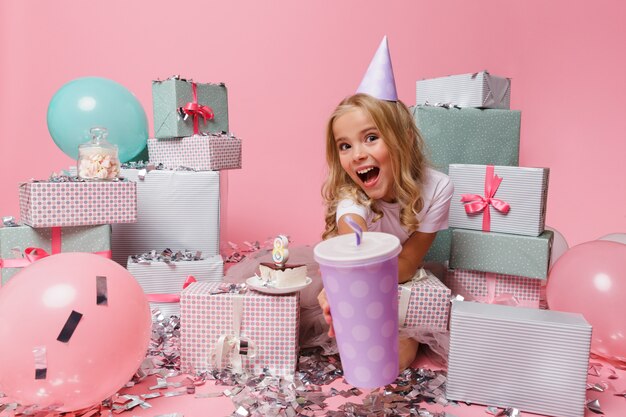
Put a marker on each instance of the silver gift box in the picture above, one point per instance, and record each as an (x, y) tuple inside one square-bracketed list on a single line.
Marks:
[(524, 189), (178, 210), (480, 90), (530, 359)]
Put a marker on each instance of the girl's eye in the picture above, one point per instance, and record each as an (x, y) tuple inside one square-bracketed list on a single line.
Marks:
[(344, 146), (371, 138)]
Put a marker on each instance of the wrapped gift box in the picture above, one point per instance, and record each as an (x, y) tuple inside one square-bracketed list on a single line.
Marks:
[(523, 190), (530, 359), (469, 136), (158, 277), (266, 324), (210, 152), (172, 95), (178, 210), (77, 203), (424, 302), (14, 240), (479, 89), (502, 253), (487, 287)]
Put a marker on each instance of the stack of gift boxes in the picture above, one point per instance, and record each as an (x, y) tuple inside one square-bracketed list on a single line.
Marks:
[(64, 214), (180, 206), (504, 351)]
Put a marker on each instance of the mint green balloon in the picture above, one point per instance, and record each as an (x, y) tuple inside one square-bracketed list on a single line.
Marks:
[(87, 102)]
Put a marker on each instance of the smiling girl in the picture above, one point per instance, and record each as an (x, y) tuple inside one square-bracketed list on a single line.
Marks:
[(379, 176)]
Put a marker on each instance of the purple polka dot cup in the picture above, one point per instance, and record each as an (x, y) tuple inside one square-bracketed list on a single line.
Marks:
[(361, 282)]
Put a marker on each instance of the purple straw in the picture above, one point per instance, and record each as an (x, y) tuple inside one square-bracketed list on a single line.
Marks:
[(358, 231)]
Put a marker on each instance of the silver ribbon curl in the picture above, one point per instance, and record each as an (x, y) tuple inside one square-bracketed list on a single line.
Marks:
[(167, 256)]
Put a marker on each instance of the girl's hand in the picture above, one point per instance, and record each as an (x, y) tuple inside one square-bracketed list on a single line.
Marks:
[(321, 298)]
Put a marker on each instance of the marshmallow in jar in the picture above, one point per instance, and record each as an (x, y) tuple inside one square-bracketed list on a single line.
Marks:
[(98, 159)]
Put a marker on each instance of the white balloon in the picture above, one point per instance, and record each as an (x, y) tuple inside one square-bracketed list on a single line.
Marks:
[(615, 237), (559, 245)]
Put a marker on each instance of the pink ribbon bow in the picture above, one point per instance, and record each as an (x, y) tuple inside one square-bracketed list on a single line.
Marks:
[(197, 110), (492, 298), (477, 203), (170, 298)]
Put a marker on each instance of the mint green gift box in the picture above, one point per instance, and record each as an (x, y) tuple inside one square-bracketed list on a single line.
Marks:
[(469, 136), (13, 241), (170, 95), (524, 256)]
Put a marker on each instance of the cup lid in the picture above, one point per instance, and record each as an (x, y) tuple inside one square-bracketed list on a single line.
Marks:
[(343, 250)]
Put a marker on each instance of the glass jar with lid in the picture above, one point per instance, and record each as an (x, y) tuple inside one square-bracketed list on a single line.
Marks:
[(98, 159)]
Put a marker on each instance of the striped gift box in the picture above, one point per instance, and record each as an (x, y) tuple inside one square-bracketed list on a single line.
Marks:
[(530, 359), (480, 90), (208, 152), (158, 277), (178, 210), (525, 190)]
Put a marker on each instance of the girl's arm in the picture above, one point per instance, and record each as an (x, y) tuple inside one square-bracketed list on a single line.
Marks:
[(412, 255), (413, 250)]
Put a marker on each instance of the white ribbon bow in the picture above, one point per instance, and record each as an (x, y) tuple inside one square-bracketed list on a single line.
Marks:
[(234, 343)]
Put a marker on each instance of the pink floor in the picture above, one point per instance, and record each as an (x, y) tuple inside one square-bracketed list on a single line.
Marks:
[(190, 406)]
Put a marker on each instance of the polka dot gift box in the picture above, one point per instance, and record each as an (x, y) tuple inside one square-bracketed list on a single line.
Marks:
[(424, 302), (501, 253), (15, 239), (225, 326), (488, 287), (73, 203), (183, 107), (207, 152), (469, 136)]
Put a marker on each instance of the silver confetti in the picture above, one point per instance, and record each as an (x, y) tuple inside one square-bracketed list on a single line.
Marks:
[(595, 406)]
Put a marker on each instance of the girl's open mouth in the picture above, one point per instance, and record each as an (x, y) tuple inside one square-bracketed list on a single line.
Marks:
[(368, 175)]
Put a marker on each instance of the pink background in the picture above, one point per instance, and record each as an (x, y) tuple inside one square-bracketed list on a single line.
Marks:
[(287, 64)]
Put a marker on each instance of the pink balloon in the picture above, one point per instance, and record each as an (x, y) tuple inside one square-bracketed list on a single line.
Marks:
[(100, 356), (591, 279)]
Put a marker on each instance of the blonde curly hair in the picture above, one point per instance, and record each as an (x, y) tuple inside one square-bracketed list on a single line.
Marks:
[(408, 162)]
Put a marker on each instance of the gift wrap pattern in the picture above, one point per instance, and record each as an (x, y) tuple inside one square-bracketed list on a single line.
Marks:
[(480, 89), (502, 253), (210, 152), (50, 204), (525, 190), (530, 359), (270, 322), (424, 303), (472, 285), (469, 136), (171, 94), (13, 241), (178, 210), (157, 277)]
